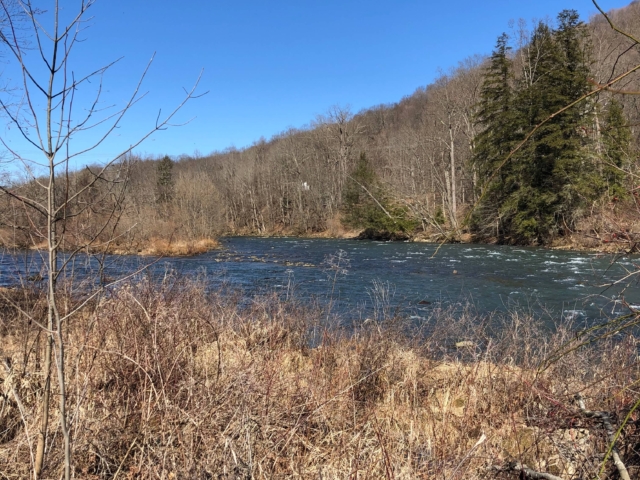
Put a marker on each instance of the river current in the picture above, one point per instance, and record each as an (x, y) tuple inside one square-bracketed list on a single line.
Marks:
[(411, 278)]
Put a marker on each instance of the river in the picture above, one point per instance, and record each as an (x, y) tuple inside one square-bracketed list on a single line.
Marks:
[(411, 278)]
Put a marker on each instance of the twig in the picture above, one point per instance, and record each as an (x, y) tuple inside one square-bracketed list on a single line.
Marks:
[(528, 473), (612, 435), (124, 458), (480, 441), (23, 412), (387, 463), (611, 24)]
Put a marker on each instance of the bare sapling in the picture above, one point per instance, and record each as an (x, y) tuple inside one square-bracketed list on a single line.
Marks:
[(50, 116)]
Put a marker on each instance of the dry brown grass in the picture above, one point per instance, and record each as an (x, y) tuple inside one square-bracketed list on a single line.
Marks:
[(170, 382), (156, 246), (176, 248)]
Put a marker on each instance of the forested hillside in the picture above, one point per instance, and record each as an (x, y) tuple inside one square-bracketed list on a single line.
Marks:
[(418, 167)]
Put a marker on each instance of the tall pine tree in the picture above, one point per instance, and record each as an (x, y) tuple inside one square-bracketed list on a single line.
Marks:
[(496, 117), (554, 170), (495, 114), (575, 170), (528, 210), (164, 180)]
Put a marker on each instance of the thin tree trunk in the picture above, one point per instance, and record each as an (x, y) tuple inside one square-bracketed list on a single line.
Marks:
[(44, 423), (598, 141), (52, 214), (454, 206)]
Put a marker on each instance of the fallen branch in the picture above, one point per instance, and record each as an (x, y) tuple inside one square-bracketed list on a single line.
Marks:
[(528, 473), (605, 418), (372, 197), (9, 382)]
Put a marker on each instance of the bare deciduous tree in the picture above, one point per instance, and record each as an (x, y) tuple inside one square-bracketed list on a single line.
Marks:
[(48, 120)]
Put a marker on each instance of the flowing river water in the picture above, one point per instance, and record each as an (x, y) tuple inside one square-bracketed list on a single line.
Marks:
[(411, 278)]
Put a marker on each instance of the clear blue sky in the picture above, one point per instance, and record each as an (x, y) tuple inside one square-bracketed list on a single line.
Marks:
[(278, 64)]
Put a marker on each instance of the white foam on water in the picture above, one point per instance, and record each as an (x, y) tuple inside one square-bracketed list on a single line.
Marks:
[(572, 314)]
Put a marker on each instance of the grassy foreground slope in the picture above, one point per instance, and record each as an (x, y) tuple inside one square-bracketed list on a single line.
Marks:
[(169, 382)]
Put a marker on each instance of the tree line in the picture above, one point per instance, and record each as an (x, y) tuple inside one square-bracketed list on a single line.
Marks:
[(421, 165)]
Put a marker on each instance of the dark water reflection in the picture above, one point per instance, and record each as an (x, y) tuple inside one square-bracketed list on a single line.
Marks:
[(405, 277)]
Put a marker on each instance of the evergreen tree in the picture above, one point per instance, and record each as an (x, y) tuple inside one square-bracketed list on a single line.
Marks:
[(575, 168), (164, 180), (526, 210), (555, 175), (616, 139), (495, 114), (366, 204), (496, 118)]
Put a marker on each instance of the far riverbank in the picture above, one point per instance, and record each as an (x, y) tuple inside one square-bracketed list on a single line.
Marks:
[(181, 247), (578, 242)]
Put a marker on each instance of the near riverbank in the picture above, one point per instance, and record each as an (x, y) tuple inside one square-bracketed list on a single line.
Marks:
[(166, 381)]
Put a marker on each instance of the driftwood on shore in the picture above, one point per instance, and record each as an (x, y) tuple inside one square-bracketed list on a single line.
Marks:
[(605, 419)]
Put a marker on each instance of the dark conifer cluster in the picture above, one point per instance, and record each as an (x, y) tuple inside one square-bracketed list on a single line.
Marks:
[(570, 161)]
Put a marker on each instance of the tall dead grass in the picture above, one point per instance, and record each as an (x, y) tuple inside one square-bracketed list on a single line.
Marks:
[(158, 246), (168, 381)]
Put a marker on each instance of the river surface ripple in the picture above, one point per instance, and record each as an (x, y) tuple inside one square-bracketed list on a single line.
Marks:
[(412, 278)]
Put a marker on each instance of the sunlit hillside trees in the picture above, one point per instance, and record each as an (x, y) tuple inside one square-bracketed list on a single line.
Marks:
[(438, 153)]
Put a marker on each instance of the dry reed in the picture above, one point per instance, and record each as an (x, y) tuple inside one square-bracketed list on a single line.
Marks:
[(169, 381)]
